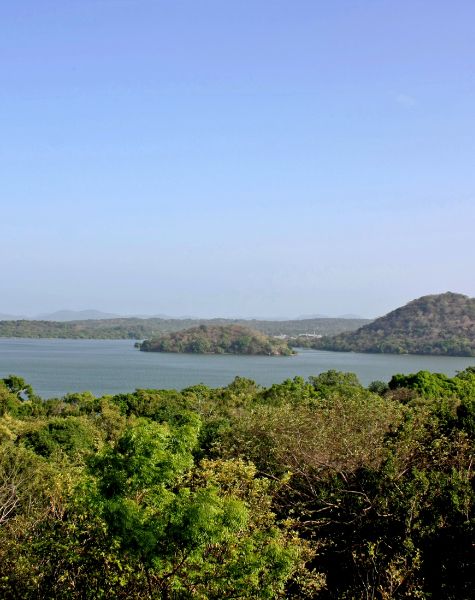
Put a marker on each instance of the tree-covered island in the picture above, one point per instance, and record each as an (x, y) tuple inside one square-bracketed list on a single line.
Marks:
[(217, 339)]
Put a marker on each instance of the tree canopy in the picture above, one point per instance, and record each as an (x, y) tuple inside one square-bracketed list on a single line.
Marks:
[(317, 488), (222, 339)]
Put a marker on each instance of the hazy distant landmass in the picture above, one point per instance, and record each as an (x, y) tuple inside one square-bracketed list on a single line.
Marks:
[(62, 315), (217, 339), (139, 329), (92, 314), (76, 315), (319, 316), (441, 324), (8, 317)]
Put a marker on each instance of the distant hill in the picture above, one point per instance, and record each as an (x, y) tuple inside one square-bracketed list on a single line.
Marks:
[(75, 315), (442, 324), (8, 317), (139, 329), (217, 339)]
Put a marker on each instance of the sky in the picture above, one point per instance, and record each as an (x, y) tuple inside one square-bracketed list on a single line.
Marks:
[(251, 158)]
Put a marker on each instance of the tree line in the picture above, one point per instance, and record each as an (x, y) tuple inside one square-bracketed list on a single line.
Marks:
[(317, 488), (139, 329)]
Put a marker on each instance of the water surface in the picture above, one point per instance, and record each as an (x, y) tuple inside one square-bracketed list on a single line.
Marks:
[(55, 367)]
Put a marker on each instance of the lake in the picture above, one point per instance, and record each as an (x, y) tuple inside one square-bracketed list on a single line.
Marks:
[(55, 367)]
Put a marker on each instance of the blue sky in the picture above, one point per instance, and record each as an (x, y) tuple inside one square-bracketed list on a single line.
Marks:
[(237, 157)]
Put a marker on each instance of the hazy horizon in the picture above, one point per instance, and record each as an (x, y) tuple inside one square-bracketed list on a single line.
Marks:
[(235, 159), (103, 314), (266, 317)]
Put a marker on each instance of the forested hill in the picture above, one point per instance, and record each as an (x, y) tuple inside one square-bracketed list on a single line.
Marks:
[(217, 339), (139, 329), (442, 324)]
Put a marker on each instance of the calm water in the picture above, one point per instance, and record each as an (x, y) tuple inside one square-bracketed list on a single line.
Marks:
[(55, 367)]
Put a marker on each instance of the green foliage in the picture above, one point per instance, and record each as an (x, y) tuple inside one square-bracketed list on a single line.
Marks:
[(24, 477), (306, 489), (222, 339), (332, 381), (293, 391), (378, 387), (186, 533), (436, 386), (147, 523), (466, 416), (430, 385), (9, 401), (17, 385), (73, 436), (441, 324)]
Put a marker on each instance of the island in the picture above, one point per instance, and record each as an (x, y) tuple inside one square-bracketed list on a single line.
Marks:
[(217, 339)]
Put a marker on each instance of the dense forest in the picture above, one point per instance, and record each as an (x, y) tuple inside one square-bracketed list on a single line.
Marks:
[(217, 339), (139, 329), (315, 488), (442, 324)]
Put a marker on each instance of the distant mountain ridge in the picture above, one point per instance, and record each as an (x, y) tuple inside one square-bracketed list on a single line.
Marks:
[(75, 315), (439, 324), (8, 317)]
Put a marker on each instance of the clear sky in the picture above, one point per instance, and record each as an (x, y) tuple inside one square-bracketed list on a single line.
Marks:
[(235, 157)]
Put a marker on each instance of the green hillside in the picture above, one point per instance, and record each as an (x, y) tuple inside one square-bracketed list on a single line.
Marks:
[(227, 339), (442, 324)]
